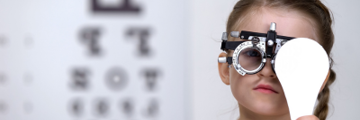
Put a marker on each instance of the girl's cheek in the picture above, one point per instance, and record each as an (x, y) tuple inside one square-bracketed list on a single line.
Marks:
[(239, 85)]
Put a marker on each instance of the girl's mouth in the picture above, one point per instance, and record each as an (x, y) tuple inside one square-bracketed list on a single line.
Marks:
[(265, 89)]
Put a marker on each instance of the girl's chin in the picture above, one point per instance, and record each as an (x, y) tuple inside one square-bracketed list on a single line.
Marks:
[(267, 109)]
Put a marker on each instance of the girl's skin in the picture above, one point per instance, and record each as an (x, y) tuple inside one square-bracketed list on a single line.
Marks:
[(255, 105)]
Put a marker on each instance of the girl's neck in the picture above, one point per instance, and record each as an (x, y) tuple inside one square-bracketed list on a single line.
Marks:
[(246, 114)]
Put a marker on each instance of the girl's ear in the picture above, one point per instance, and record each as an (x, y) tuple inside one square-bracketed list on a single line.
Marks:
[(224, 70), (326, 79)]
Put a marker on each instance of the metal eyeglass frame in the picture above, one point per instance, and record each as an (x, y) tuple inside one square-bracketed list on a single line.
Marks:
[(267, 44)]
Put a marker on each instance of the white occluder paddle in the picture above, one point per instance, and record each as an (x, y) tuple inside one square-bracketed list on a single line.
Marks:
[(302, 66)]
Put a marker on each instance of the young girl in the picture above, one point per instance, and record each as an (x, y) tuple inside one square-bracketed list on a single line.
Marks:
[(295, 18)]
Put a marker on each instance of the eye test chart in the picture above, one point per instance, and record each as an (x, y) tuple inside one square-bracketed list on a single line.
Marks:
[(92, 60)]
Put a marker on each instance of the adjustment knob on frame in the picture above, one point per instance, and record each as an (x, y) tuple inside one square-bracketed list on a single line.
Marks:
[(222, 60), (273, 26), (235, 34), (270, 43), (255, 40), (224, 36)]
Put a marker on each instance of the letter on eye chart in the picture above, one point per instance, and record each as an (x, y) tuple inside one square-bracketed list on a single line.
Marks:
[(90, 37), (79, 79), (125, 7), (143, 35)]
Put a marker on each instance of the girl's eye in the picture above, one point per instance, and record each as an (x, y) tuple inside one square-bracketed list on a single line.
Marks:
[(252, 53)]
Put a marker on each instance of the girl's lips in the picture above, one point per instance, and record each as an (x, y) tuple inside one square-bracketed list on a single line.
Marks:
[(265, 89)]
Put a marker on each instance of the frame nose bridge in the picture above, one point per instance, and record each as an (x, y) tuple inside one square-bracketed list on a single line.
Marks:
[(267, 70)]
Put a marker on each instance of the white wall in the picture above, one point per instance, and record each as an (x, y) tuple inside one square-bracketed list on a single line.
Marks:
[(345, 94)]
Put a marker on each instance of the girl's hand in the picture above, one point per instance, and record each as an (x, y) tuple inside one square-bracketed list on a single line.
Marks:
[(308, 117)]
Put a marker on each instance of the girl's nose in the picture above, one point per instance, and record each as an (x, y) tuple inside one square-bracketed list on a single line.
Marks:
[(267, 71)]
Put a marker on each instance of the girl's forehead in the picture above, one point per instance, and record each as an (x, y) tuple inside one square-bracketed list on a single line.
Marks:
[(288, 23)]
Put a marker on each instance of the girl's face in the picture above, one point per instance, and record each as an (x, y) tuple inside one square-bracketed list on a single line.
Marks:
[(261, 101)]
